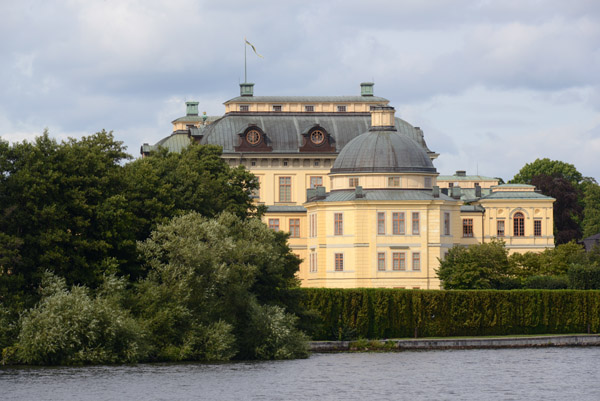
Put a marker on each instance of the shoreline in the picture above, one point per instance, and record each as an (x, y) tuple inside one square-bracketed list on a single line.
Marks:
[(564, 340)]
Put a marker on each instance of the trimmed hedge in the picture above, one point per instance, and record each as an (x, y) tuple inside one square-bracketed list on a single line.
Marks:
[(389, 313)]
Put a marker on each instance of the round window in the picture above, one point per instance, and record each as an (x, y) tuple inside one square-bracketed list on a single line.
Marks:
[(253, 137), (317, 137)]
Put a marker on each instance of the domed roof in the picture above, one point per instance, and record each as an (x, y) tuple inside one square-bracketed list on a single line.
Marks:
[(382, 151)]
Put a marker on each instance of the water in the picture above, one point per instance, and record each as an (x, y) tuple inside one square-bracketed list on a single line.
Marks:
[(506, 374)]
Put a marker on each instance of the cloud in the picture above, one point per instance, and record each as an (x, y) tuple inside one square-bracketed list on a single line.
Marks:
[(492, 83)]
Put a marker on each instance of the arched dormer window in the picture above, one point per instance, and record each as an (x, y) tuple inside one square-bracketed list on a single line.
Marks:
[(317, 139), (519, 225), (253, 139)]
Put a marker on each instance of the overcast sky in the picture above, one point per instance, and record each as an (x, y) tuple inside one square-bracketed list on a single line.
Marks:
[(494, 84)]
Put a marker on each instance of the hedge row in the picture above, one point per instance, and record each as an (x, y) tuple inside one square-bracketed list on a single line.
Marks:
[(388, 313)]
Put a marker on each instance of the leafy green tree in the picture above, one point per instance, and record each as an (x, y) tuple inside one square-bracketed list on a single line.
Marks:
[(164, 185), (203, 298), (51, 206), (567, 208), (481, 266), (550, 262), (591, 210), (553, 168), (76, 327)]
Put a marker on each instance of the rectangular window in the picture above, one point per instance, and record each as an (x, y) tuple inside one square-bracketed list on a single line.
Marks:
[(398, 223), (467, 228), (341, 108), (285, 189), (446, 223), (416, 261), (244, 107), (309, 109), (353, 182), (427, 182), (398, 261), (393, 181), (316, 182), (339, 262), (381, 261), (500, 231), (313, 262), (316, 163), (313, 225), (338, 224), (294, 228), (274, 224), (381, 223), (276, 108), (415, 223), (537, 228)]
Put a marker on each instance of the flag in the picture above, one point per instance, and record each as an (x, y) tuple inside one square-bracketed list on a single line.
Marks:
[(253, 48)]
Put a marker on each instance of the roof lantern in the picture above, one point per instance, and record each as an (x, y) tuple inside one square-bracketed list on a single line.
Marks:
[(191, 108), (246, 89), (383, 119), (382, 149), (366, 88)]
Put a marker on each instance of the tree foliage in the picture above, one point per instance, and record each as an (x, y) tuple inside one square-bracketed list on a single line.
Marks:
[(591, 211), (53, 203), (480, 266), (70, 207), (76, 327), (204, 288), (567, 208), (553, 168)]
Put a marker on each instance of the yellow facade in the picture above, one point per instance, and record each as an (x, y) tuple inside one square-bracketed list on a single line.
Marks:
[(384, 228)]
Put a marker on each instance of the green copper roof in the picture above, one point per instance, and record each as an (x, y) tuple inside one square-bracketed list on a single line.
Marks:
[(516, 195), (385, 195)]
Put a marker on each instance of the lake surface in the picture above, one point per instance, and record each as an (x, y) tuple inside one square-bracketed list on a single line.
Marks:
[(505, 374)]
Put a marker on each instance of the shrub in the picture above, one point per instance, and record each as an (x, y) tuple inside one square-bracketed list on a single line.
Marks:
[(547, 282), (72, 327), (583, 277)]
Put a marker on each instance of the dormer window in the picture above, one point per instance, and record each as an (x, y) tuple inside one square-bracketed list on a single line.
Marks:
[(341, 108), (276, 107), (309, 109), (244, 107), (253, 137)]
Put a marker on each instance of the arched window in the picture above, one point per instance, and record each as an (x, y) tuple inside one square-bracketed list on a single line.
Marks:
[(519, 225)]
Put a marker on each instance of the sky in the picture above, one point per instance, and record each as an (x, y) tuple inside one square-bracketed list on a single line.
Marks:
[(493, 84)]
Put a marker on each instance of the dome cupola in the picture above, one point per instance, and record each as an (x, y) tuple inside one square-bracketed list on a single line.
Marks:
[(382, 150)]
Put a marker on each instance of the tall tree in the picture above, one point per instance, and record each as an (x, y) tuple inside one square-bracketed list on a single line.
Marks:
[(51, 205), (567, 208), (591, 211), (553, 168)]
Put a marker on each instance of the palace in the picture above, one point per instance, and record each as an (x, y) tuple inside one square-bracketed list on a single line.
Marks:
[(356, 188)]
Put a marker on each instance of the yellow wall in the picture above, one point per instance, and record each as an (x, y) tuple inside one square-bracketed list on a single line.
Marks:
[(299, 107)]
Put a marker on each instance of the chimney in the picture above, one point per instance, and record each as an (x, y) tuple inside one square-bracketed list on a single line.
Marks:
[(461, 173), (246, 89), (477, 191), (383, 119), (310, 193), (456, 192), (358, 192), (321, 192), (191, 108), (436, 191), (366, 88)]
